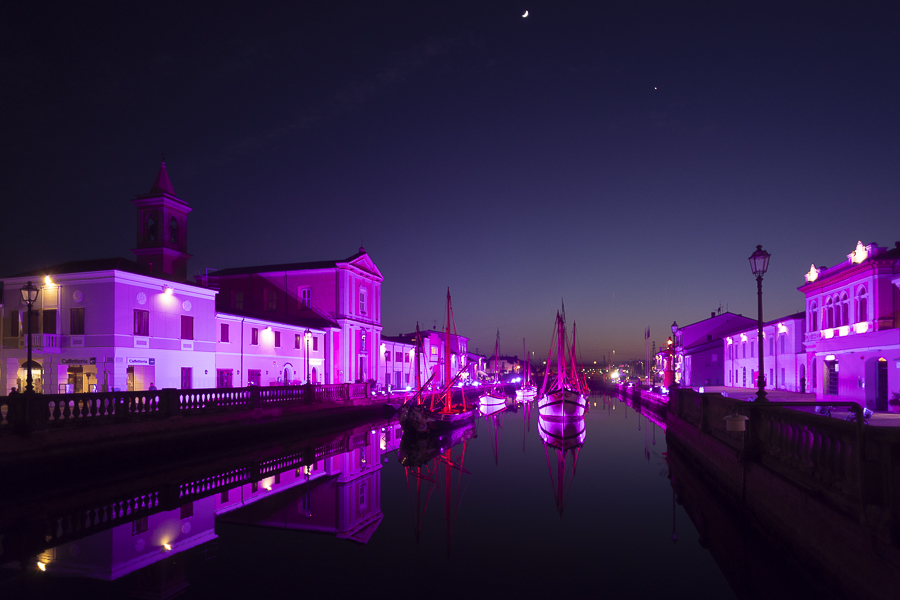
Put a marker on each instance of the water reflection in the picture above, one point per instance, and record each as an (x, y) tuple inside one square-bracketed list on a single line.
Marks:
[(446, 500)]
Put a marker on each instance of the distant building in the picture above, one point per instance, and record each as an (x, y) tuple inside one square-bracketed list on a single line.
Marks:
[(397, 370), (700, 348), (504, 365), (853, 327), (784, 357)]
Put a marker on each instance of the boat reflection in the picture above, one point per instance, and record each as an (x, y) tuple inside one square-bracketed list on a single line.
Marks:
[(562, 439), (430, 463)]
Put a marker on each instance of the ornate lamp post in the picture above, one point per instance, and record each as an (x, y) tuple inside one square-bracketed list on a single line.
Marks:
[(307, 335), (759, 262), (29, 295)]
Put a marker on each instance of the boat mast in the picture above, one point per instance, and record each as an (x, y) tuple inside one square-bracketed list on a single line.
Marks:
[(560, 352), (447, 355), (418, 351)]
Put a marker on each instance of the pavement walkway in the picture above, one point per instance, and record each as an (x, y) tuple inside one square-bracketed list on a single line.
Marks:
[(878, 418)]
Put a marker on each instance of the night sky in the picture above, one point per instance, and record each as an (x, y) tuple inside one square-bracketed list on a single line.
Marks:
[(626, 157)]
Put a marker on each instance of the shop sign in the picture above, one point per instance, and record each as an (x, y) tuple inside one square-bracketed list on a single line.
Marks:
[(141, 361), (79, 361)]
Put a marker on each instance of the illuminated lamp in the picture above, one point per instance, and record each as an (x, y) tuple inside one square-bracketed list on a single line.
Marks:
[(782, 328), (759, 264), (42, 566), (862, 327), (729, 340), (29, 296), (829, 357), (743, 337), (166, 547), (168, 290), (828, 333), (843, 330), (48, 281)]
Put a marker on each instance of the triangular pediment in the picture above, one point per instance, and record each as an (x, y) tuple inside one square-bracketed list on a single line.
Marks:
[(367, 265)]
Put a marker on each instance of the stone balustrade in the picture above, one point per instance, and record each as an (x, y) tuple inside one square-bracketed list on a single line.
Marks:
[(24, 413)]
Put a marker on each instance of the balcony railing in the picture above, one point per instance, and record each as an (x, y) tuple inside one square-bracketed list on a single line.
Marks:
[(47, 343)]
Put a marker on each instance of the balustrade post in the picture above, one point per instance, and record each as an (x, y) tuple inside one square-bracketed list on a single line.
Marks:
[(168, 402), (35, 411), (253, 397), (704, 413), (346, 391), (121, 410)]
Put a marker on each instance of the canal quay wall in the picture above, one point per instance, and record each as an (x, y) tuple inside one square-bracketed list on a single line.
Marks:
[(825, 491), (38, 427)]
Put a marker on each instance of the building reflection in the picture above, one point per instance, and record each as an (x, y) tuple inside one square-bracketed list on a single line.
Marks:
[(331, 486)]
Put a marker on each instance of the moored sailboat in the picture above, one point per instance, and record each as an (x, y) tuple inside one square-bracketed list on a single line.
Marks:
[(493, 398), (564, 395), (442, 413)]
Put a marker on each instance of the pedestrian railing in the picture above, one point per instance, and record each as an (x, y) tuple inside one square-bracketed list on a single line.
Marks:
[(21, 413), (840, 461)]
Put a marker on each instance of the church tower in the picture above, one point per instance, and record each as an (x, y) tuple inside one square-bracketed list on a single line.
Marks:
[(162, 228)]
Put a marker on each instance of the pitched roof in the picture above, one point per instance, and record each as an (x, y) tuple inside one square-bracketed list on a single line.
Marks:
[(305, 318), (162, 183), (99, 264), (302, 266)]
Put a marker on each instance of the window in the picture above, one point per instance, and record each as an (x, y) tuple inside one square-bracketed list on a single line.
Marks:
[(173, 230), (744, 377), (15, 319), (315, 342), (362, 301), (278, 339), (237, 300), (783, 336), (223, 497), (771, 346), (224, 378), (224, 333), (828, 317), (76, 321), (398, 357), (297, 342), (362, 342), (187, 376), (813, 317), (254, 377), (387, 356), (187, 510), (271, 299), (782, 377), (305, 296), (752, 349), (152, 228), (862, 309), (845, 309), (49, 321), (139, 526), (254, 336), (405, 357), (142, 322), (187, 327), (362, 495)]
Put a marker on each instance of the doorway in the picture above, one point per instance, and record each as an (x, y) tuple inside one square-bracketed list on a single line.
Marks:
[(881, 380)]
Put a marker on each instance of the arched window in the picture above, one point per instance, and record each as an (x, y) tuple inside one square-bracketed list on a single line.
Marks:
[(813, 317), (152, 228), (862, 305), (173, 230), (845, 309), (828, 320)]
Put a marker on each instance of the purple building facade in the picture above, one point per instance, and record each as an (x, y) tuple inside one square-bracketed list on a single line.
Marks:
[(853, 327)]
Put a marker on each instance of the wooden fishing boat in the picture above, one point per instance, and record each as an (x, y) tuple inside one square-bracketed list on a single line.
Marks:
[(493, 398), (443, 412), (527, 390), (564, 394)]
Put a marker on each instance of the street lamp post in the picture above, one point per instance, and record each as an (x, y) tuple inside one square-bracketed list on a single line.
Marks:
[(306, 337), (759, 263), (29, 295)]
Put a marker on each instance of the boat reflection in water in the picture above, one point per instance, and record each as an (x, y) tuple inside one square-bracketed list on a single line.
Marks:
[(435, 462), (563, 437)]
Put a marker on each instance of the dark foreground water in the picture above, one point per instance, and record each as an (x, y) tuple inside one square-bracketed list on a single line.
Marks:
[(358, 524)]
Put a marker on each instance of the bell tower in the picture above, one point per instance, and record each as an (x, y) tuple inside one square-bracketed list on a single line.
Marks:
[(162, 228)]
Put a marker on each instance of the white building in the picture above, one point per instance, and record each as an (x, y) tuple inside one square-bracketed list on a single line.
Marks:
[(784, 357)]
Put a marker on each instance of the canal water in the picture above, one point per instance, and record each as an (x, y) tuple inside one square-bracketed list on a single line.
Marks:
[(487, 517)]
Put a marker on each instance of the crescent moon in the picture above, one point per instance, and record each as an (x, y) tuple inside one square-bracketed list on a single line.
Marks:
[(525, 15)]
